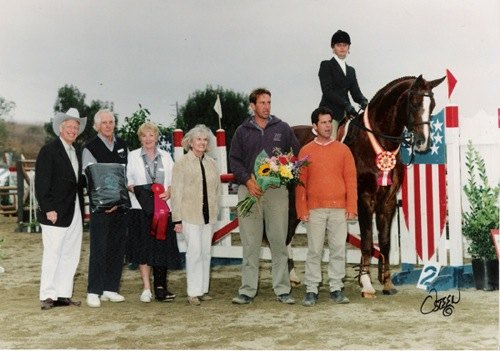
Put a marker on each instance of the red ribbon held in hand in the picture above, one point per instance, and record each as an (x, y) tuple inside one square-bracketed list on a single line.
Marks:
[(160, 216)]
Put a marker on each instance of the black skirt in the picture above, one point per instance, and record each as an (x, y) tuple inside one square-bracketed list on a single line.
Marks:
[(143, 248)]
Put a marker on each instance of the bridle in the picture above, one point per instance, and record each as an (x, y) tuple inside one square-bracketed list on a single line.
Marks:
[(411, 108), (407, 138)]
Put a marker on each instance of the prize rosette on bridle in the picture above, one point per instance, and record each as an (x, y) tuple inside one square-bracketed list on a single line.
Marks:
[(272, 172)]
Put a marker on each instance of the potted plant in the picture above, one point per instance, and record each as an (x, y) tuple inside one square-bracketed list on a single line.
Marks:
[(479, 220)]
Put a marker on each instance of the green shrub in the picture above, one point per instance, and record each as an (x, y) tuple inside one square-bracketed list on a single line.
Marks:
[(483, 214)]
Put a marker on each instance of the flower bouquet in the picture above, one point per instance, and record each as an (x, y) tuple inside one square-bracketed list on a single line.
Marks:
[(274, 171)]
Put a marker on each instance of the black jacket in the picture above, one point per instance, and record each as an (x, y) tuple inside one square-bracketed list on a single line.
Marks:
[(336, 85), (56, 185)]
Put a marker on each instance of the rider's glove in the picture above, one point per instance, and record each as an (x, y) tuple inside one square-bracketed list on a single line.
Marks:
[(363, 104), (351, 111)]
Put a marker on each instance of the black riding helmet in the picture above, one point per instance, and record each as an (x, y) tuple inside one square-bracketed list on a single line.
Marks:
[(340, 37)]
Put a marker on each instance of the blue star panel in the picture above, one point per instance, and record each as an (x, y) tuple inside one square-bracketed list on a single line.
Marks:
[(437, 151)]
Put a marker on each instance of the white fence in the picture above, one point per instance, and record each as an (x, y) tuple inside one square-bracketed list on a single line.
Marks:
[(485, 136)]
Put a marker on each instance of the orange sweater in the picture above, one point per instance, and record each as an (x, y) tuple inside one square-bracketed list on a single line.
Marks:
[(329, 179)]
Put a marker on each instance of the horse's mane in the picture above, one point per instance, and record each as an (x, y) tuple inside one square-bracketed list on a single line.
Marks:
[(395, 81)]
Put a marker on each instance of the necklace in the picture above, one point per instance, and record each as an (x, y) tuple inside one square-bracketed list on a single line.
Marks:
[(148, 169)]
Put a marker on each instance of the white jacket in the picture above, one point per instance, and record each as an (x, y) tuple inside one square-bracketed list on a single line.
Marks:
[(136, 172)]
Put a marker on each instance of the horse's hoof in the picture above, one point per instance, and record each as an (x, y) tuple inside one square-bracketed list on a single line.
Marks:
[(389, 292), (294, 283), (368, 295)]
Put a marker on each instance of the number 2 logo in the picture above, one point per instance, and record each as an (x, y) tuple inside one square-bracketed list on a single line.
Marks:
[(429, 273)]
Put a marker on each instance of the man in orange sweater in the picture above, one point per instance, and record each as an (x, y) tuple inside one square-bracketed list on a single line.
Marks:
[(326, 201)]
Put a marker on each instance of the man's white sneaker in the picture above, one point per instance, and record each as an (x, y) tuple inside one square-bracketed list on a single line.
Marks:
[(146, 296), (93, 300), (111, 296)]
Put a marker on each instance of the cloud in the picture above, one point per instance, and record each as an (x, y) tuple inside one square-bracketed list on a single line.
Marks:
[(158, 52)]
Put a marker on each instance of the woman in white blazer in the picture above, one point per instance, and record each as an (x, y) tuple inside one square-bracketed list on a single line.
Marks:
[(146, 246), (195, 208)]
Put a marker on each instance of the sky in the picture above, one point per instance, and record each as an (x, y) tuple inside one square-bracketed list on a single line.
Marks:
[(156, 53)]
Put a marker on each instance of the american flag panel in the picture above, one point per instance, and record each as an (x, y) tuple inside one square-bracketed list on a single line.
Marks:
[(424, 193)]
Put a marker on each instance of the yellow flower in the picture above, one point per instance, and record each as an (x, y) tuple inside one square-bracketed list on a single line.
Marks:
[(285, 172), (264, 169)]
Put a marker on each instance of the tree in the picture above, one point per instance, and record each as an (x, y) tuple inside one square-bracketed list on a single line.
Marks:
[(70, 96), (3, 135), (199, 109), (129, 130), (6, 107)]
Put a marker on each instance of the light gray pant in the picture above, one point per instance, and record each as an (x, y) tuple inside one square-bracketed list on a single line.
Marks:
[(332, 222), (270, 210)]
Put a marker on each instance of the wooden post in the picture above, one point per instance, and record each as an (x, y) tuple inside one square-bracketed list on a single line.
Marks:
[(20, 193)]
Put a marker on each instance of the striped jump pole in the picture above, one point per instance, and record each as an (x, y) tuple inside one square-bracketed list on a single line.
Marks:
[(222, 236), (178, 134), (454, 186)]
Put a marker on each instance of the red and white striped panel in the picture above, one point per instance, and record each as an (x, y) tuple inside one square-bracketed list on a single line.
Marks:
[(424, 206)]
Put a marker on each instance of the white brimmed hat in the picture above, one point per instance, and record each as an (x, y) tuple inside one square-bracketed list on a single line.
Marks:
[(72, 113)]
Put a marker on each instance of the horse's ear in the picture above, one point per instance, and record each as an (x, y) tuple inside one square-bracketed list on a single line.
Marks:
[(436, 82), (418, 81)]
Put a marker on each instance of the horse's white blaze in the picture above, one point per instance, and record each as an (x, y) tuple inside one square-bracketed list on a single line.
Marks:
[(426, 116)]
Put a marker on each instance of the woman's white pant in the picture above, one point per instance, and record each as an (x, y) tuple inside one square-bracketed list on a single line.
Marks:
[(198, 257)]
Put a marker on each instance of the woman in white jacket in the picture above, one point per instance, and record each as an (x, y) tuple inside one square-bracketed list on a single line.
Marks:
[(148, 247), (195, 207)]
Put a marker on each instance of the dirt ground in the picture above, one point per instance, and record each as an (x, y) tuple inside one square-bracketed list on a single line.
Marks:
[(395, 322)]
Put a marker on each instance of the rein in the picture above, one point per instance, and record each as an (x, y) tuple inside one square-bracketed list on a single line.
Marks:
[(407, 138), (400, 139)]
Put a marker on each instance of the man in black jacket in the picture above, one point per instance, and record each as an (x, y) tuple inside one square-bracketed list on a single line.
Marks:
[(338, 79), (59, 192)]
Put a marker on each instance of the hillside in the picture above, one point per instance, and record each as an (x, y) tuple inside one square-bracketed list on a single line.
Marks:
[(26, 139)]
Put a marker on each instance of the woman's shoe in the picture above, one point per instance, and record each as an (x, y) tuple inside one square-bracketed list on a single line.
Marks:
[(160, 294), (169, 296), (146, 296), (194, 301), (205, 297)]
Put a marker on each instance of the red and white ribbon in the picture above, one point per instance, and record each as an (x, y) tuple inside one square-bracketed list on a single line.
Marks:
[(160, 215)]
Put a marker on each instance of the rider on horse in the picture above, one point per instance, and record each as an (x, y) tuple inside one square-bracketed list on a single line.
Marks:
[(338, 79)]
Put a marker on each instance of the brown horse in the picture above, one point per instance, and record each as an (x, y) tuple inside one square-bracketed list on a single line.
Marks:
[(398, 114)]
